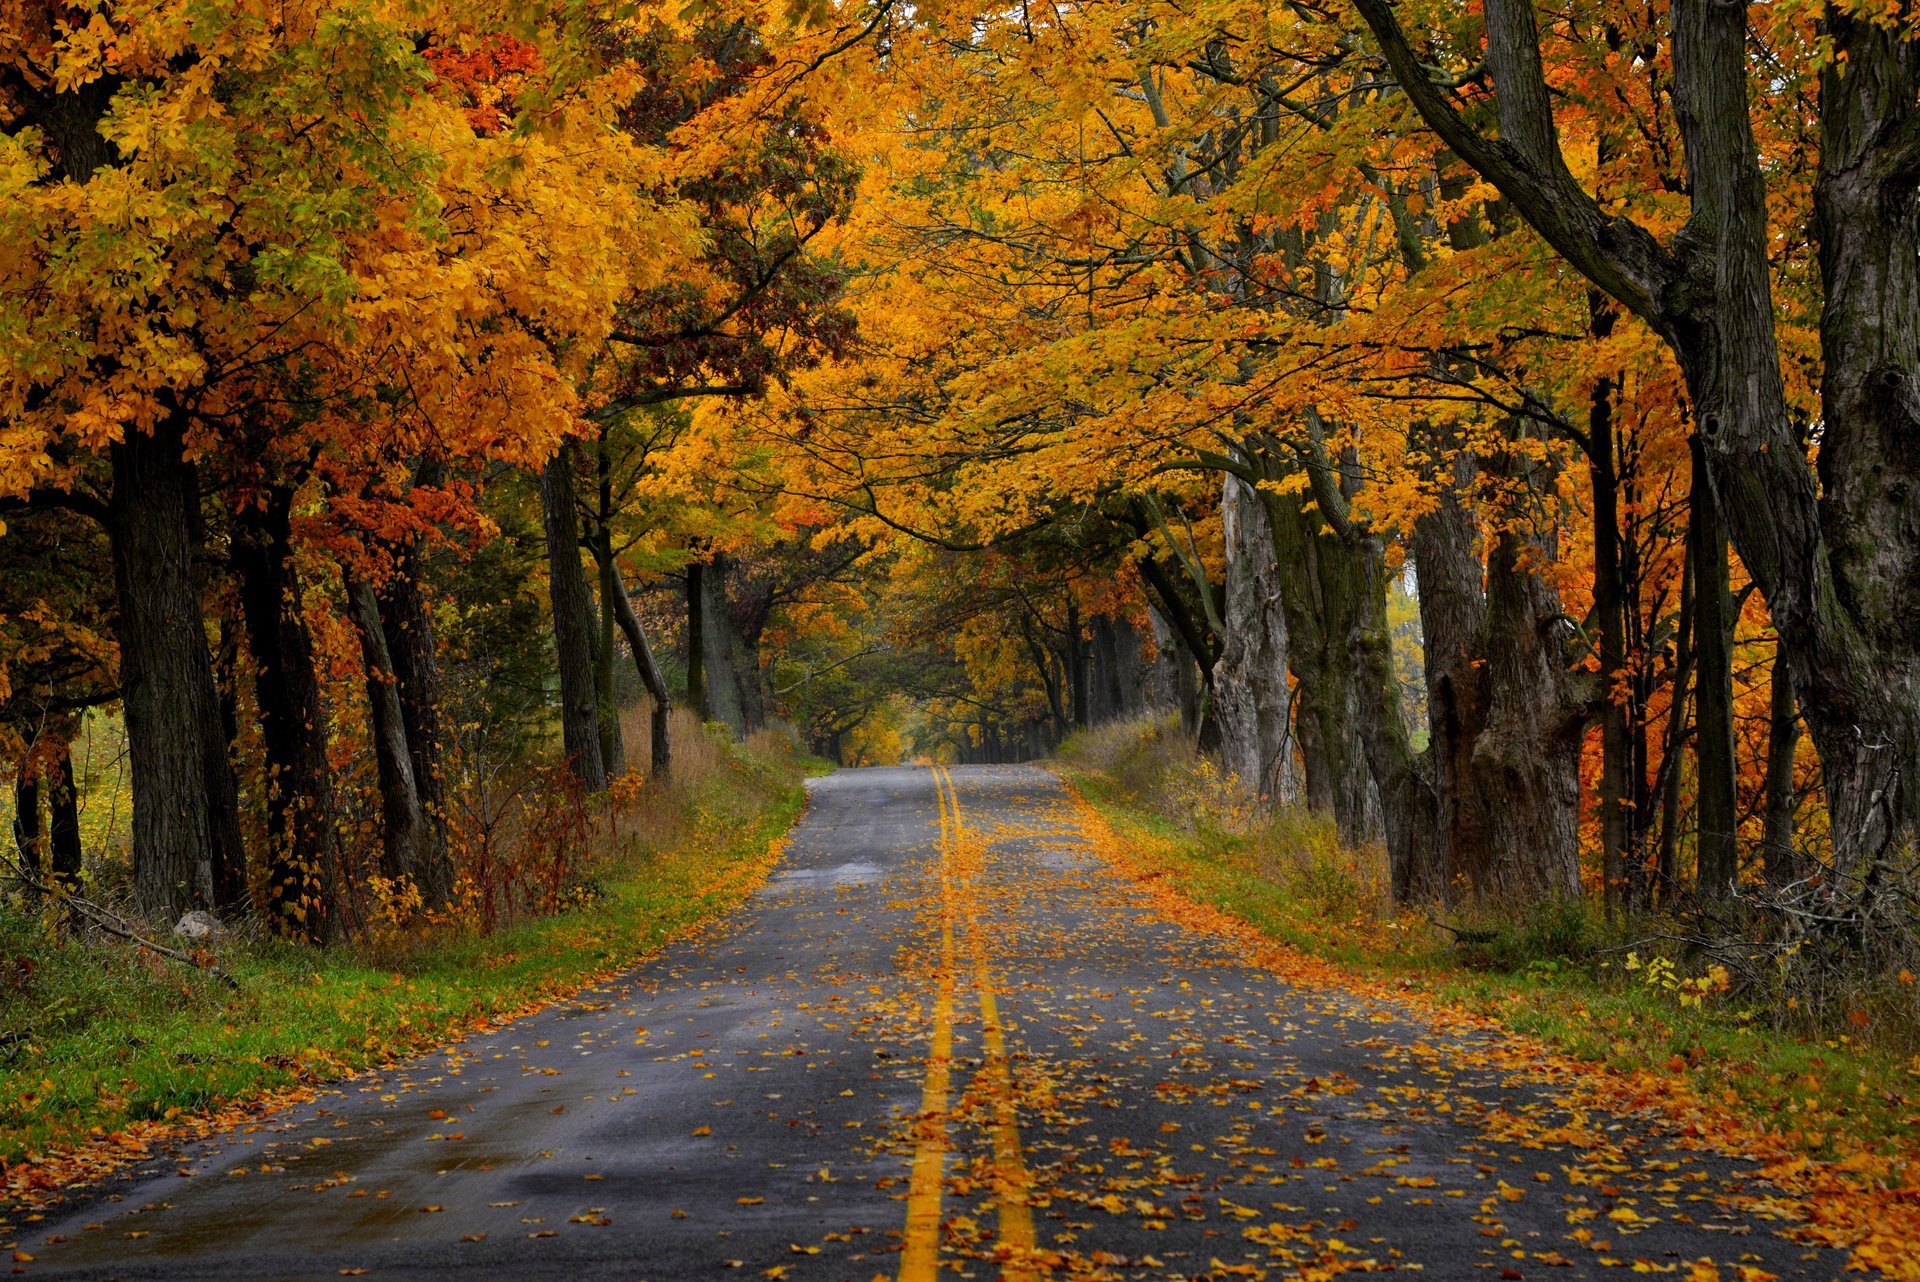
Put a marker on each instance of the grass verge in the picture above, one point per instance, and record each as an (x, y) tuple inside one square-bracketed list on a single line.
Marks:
[(105, 1049)]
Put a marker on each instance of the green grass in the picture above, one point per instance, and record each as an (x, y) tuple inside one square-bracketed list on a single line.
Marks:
[(101, 1036), (1556, 973)]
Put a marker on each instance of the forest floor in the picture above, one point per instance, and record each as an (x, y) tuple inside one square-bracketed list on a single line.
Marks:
[(964, 1030), (110, 1051)]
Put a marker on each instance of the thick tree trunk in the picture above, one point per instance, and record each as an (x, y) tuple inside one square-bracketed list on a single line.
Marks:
[(697, 643), (573, 624), (715, 637), (1783, 740), (403, 817), (1717, 803), (166, 677), (302, 863), (1322, 579), (1250, 681), (650, 675), (408, 629), (1526, 762)]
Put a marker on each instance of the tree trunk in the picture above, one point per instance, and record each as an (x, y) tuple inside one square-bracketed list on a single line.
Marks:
[(1526, 763), (63, 826), (715, 636), (1250, 681), (573, 624), (408, 630), (302, 863), (27, 837), (697, 643), (1322, 579), (402, 816), (1717, 803), (613, 752), (1783, 739), (166, 677), (1077, 677), (230, 891), (643, 661), (1610, 607)]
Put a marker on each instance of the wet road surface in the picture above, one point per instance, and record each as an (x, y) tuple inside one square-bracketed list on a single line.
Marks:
[(942, 1041)]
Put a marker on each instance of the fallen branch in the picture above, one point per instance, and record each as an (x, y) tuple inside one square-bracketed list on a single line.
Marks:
[(111, 922)]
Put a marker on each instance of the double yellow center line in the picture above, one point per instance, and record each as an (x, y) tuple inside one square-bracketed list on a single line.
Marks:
[(920, 1256)]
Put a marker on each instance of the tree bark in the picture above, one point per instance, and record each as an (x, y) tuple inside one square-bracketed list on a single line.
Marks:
[(721, 687), (403, 818), (1077, 677), (1250, 681), (408, 630), (1783, 740), (573, 624), (1716, 806), (302, 863), (166, 677), (613, 752)]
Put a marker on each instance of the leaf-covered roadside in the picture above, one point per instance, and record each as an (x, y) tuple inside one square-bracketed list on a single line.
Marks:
[(111, 1055), (1832, 1120)]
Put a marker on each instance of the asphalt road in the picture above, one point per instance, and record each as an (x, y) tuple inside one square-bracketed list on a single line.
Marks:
[(942, 1041)]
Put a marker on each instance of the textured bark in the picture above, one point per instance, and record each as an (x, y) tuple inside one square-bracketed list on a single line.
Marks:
[(302, 862), (1526, 761), (408, 629), (573, 624), (163, 657), (1453, 619), (1716, 799), (721, 688), (697, 644), (1322, 580), (1783, 740), (1250, 681), (403, 818)]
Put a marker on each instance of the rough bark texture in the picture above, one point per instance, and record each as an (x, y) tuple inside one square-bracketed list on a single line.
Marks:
[(1322, 579), (573, 624), (1715, 777), (721, 686), (302, 862), (1250, 681), (163, 654), (403, 819), (408, 629), (27, 838)]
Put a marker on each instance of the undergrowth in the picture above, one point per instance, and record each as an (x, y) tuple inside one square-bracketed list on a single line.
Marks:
[(96, 1036), (1639, 995)]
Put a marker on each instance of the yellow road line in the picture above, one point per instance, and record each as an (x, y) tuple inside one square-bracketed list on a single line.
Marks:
[(1013, 1182), (920, 1253)]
